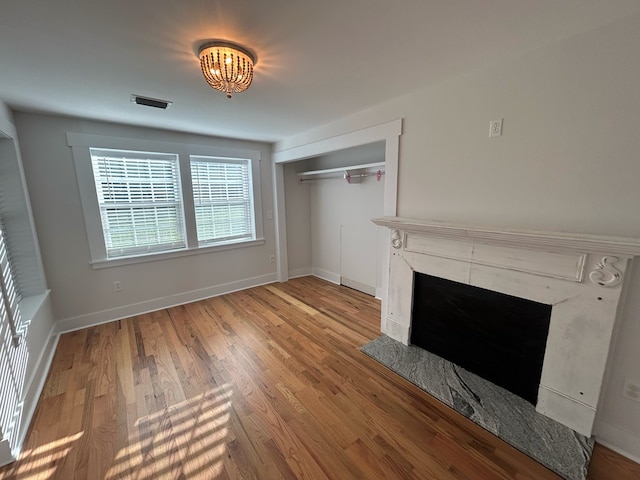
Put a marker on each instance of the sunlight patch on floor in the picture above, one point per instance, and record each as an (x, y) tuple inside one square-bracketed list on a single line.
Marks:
[(41, 462), (189, 437)]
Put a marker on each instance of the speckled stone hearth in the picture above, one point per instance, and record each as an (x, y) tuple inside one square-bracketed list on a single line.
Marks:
[(499, 411)]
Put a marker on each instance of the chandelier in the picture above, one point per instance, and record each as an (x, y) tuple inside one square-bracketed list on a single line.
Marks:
[(226, 66)]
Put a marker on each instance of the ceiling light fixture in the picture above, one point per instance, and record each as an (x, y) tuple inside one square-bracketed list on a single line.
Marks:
[(226, 66)]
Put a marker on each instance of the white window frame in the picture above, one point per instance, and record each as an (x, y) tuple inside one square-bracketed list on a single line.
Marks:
[(81, 143), (246, 199), (111, 157)]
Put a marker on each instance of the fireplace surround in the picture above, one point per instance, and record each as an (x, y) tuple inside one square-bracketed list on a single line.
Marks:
[(582, 277)]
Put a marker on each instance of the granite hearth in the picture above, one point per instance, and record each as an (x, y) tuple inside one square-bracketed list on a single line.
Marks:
[(497, 410)]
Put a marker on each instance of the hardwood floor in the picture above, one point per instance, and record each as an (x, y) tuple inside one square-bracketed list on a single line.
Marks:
[(267, 383)]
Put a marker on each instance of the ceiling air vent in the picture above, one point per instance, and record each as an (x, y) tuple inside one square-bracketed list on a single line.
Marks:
[(150, 102)]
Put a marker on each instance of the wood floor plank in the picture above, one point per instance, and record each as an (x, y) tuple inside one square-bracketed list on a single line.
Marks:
[(266, 383)]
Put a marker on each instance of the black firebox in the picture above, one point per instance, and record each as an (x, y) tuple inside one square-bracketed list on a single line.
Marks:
[(496, 336)]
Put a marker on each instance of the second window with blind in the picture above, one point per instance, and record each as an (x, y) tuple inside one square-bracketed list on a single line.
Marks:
[(222, 199), (151, 204)]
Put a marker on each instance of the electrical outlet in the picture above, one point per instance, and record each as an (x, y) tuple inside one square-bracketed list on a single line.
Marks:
[(495, 128), (272, 258), (631, 390), (117, 287)]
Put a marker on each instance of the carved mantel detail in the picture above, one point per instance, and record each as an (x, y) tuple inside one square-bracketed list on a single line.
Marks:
[(606, 274), (396, 239)]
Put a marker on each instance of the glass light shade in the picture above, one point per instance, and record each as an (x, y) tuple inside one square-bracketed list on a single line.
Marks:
[(227, 67)]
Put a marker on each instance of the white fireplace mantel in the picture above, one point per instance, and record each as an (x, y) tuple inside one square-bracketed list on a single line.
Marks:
[(532, 239), (580, 276)]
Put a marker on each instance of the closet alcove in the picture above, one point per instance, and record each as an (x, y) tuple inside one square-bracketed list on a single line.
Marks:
[(330, 200)]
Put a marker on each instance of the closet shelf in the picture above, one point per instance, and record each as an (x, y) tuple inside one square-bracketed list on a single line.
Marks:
[(351, 173)]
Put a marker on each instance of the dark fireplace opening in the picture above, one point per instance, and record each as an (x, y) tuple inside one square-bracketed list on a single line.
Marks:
[(496, 336)]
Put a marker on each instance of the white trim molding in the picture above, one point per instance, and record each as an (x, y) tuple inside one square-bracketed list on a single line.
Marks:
[(299, 272), (612, 435), (35, 385), (6, 457), (340, 142), (531, 239), (326, 275)]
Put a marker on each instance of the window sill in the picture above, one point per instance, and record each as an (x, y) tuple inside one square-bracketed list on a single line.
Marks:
[(29, 309), (152, 257)]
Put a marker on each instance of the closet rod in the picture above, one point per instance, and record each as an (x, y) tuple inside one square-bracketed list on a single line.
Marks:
[(348, 172), (349, 177)]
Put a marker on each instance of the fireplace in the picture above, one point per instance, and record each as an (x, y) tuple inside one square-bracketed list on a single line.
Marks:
[(499, 337), (580, 278)]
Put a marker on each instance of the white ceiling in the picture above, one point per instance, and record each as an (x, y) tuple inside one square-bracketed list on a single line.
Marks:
[(317, 61)]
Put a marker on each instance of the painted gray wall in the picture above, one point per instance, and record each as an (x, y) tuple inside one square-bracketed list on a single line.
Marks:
[(82, 295), (298, 213), (567, 161), (343, 239)]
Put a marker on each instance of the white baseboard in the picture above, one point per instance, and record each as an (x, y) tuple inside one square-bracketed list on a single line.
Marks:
[(361, 287), (620, 441), (326, 275), (300, 272), (38, 312), (35, 385), (379, 293), (112, 314), (6, 457)]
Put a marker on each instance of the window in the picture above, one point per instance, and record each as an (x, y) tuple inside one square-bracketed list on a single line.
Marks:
[(23, 292), (222, 199), (140, 201), (12, 351), (144, 200), (9, 295)]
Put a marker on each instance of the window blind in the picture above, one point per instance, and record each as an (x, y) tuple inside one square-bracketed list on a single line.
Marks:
[(13, 353), (140, 201), (223, 199)]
